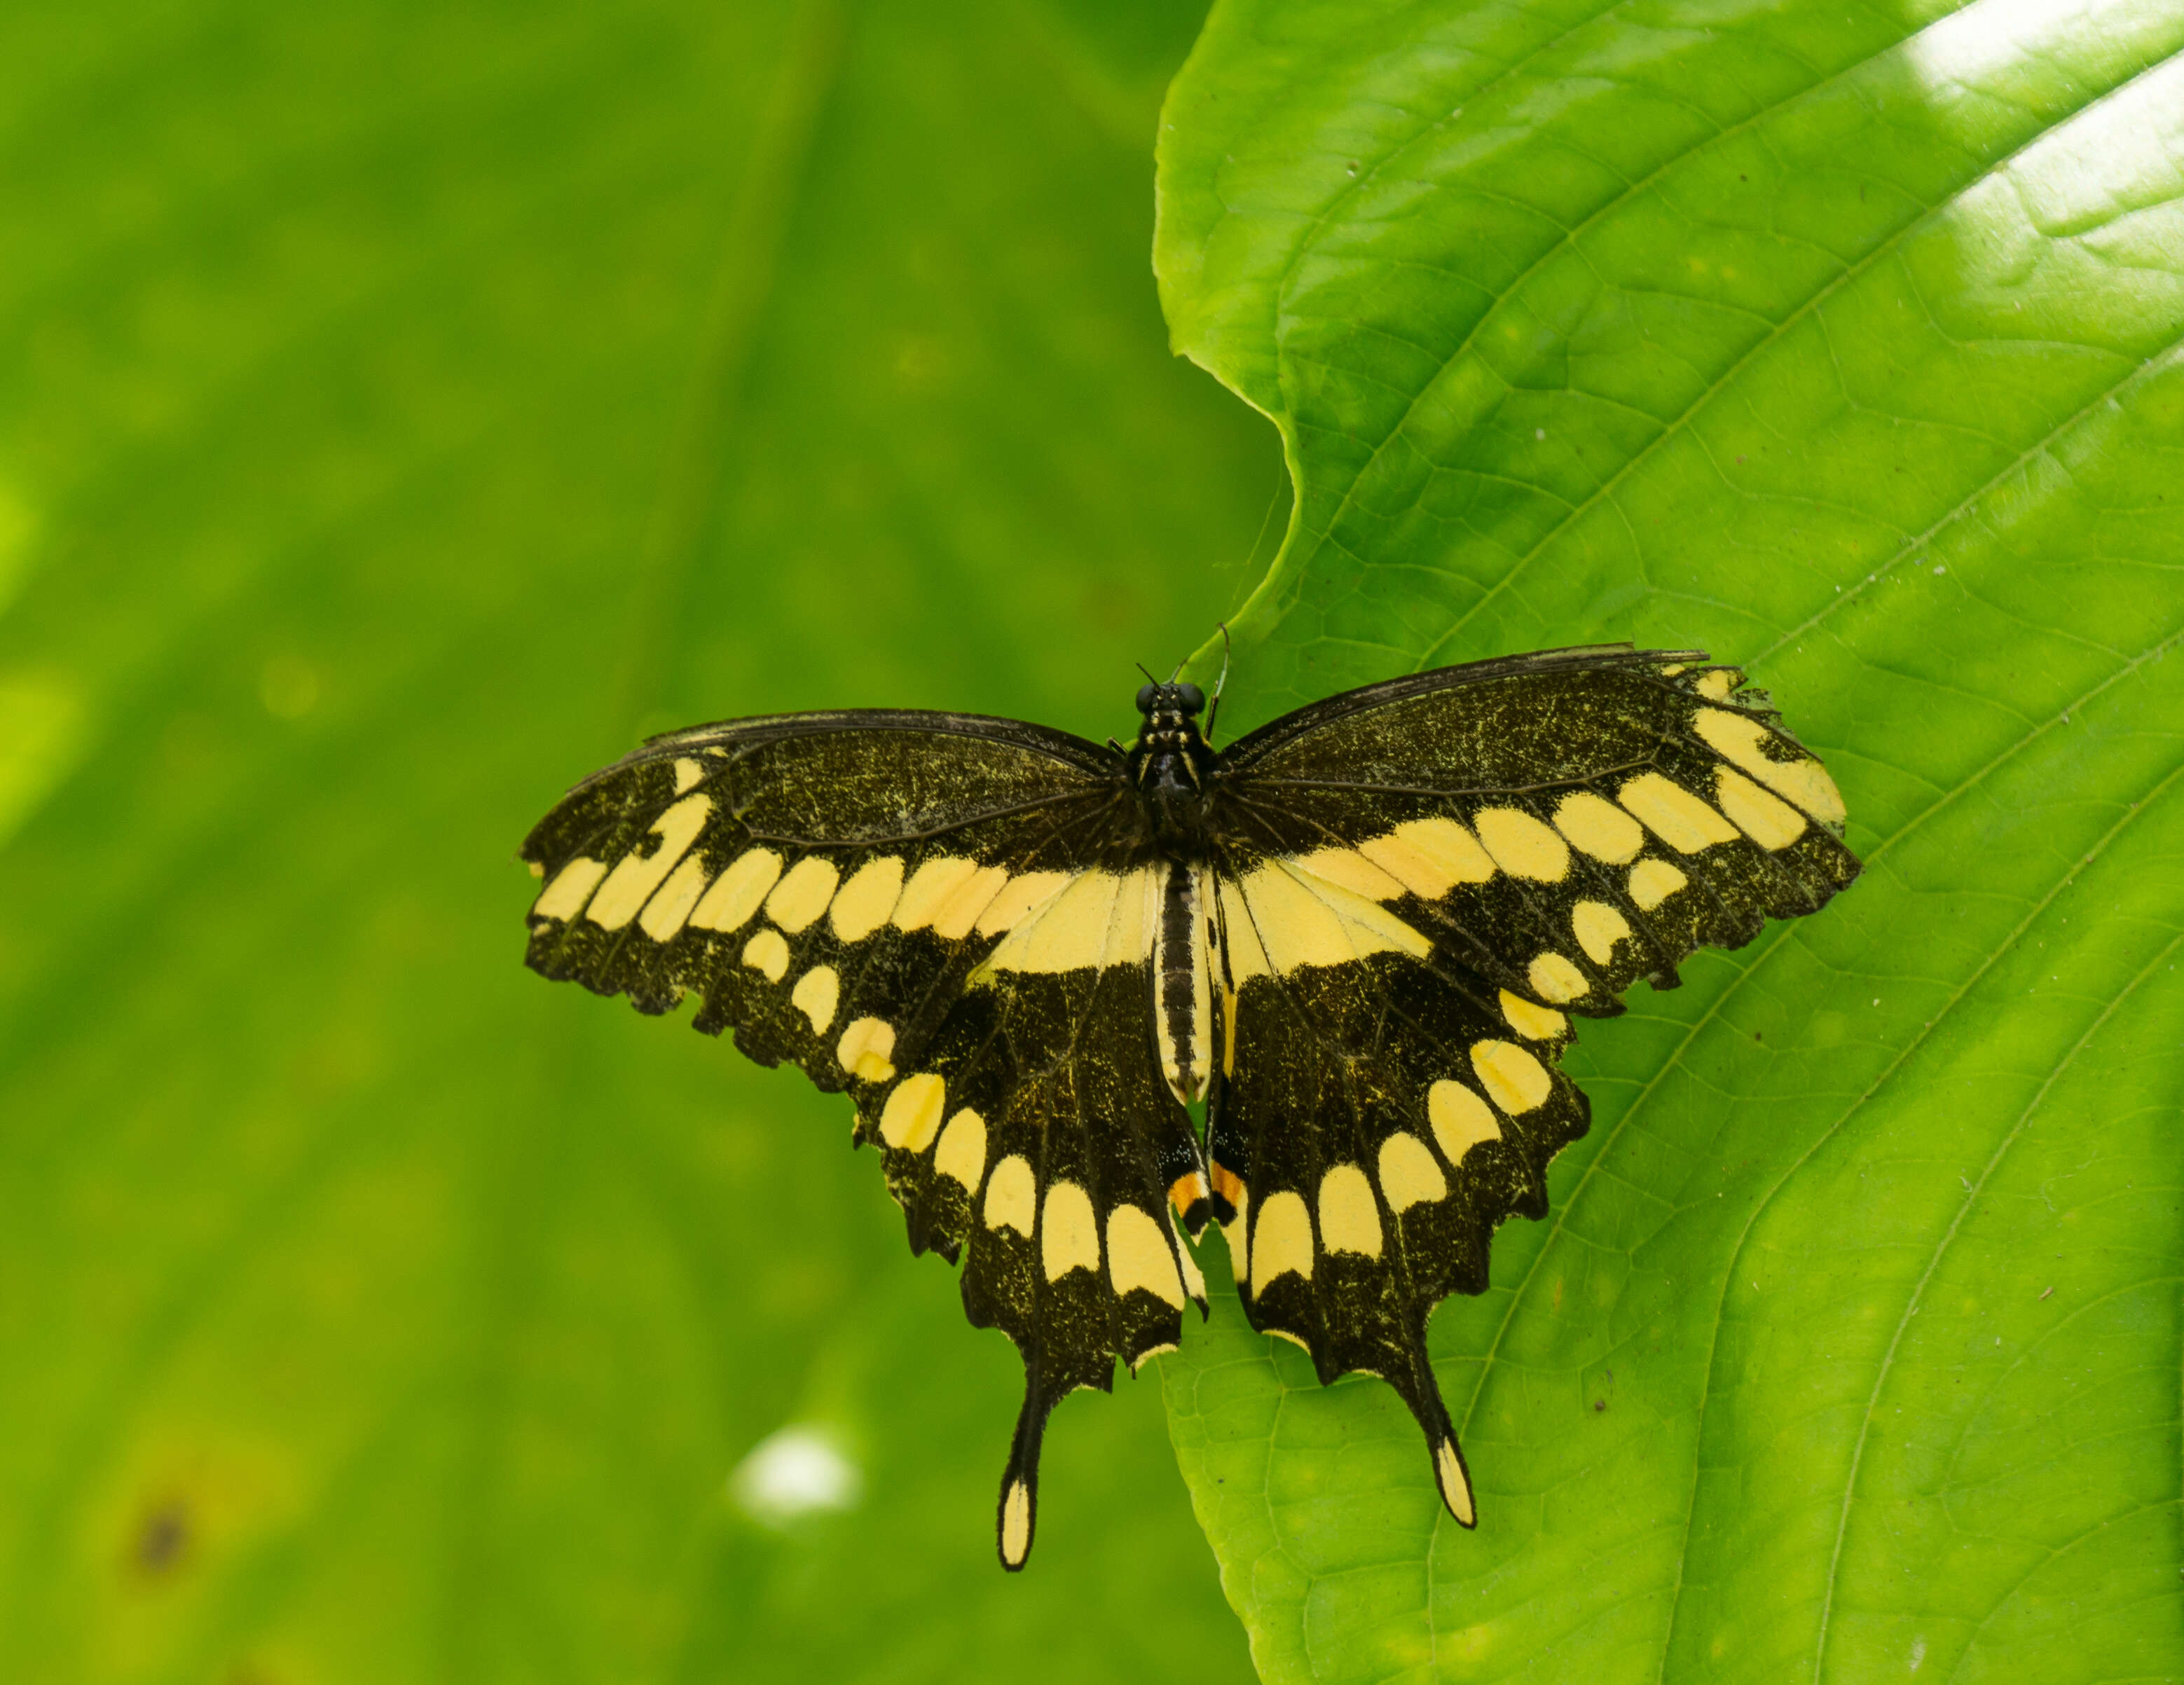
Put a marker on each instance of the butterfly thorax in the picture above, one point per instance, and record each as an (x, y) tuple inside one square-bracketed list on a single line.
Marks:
[(1170, 768)]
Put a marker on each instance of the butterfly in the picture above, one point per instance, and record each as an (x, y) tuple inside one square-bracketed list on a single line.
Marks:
[(1359, 934)]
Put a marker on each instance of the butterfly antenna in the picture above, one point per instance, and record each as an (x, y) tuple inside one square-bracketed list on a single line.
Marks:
[(1213, 708), (1147, 671)]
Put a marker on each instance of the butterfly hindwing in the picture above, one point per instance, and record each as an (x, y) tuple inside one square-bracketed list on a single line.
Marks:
[(1381, 1113), (1075, 1251), (1418, 883), (928, 918)]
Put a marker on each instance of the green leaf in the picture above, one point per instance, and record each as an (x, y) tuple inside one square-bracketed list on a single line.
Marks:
[(404, 404), (1842, 340)]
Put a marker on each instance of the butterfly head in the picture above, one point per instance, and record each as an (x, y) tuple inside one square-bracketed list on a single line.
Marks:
[(1166, 706)]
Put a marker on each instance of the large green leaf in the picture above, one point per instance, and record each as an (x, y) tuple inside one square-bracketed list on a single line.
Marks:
[(1842, 340), (402, 403)]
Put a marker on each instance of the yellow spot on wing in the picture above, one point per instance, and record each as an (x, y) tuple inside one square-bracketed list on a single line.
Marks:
[(1429, 857), (1768, 822), (866, 1049), (1599, 827), (687, 774), (930, 888), (1066, 932), (1349, 1215), (1460, 1119), (1351, 868), (954, 916), (1521, 846), (1740, 738), (664, 914), (911, 1117), (1069, 1234), (1016, 1524), (572, 886), (1136, 919), (1554, 978), (1717, 685), (962, 1150), (737, 891), (1514, 1080), (1454, 1484), (630, 884), (1012, 1196), (1674, 814), (1138, 1255), (1653, 882), (1246, 960), (868, 898), (1533, 1023), (1301, 921), (1408, 1174), (799, 899), (1598, 927), (1281, 1241), (768, 953), (1017, 898), (816, 995)]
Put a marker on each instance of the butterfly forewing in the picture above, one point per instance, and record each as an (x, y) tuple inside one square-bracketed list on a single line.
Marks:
[(940, 916)]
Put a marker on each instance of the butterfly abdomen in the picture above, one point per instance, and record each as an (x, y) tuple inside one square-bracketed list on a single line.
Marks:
[(1182, 1003)]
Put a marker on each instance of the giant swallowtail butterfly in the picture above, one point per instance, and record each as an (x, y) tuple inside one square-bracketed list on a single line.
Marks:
[(1359, 934)]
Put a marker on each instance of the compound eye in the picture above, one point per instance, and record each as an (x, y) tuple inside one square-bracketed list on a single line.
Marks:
[(1146, 693), (1193, 698)]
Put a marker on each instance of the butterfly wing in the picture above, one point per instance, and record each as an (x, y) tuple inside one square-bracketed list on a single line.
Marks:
[(1418, 883), (937, 915)]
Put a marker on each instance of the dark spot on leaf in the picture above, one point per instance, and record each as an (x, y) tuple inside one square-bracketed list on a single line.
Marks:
[(161, 1539), (1600, 1403)]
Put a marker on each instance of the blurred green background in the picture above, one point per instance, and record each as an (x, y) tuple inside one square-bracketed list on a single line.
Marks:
[(402, 409)]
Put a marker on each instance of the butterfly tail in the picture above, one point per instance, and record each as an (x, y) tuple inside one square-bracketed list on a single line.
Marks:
[(1017, 1517), (1422, 1392)]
